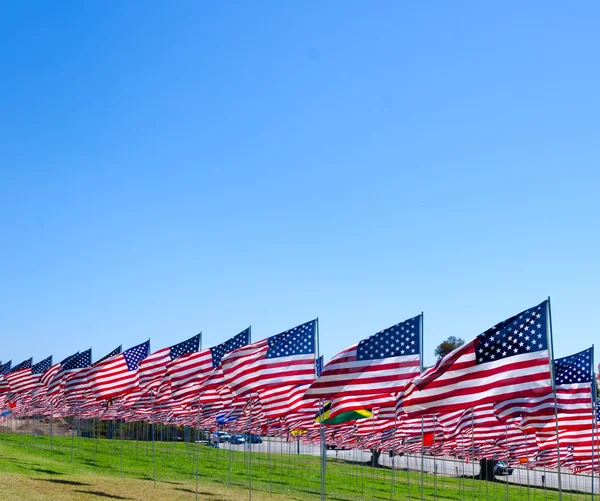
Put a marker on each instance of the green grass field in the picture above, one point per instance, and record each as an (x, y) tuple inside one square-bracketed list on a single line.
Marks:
[(33, 468)]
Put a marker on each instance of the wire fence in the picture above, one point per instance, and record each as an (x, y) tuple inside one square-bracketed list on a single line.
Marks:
[(278, 465)]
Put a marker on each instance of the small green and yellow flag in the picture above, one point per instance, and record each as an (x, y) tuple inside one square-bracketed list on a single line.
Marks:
[(345, 417)]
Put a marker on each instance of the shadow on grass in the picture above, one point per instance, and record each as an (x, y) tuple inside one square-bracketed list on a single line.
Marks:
[(192, 491), (62, 482), (101, 494), (90, 462), (49, 472)]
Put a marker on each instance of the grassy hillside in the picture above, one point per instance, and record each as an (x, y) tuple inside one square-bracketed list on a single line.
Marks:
[(34, 468)]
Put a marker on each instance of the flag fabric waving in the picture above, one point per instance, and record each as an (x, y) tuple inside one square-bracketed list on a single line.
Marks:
[(573, 377), (154, 367), (27, 380), (77, 383), (72, 364), (5, 368), (510, 360), (18, 373), (118, 375), (287, 358), (193, 368), (380, 364)]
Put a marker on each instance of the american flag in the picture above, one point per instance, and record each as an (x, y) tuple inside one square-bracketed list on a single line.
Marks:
[(74, 363), (480, 417), (5, 368), (49, 374), (77, 383), (380, 364), (28, 379), (573, 378), (279, 401), (510, 360), (154, 367), (118, 375), (191, 369), (18, 373), (287, 358)]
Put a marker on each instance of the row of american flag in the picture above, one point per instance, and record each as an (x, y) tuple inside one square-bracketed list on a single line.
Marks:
[(502, 391)]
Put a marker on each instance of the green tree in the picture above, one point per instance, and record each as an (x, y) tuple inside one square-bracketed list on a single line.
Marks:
[(447, 346)]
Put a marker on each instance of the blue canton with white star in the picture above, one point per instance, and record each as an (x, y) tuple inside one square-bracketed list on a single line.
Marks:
[(78, 361), (402, 339), (26, 364), (42, 366), (68, 358), (526, 332), (297, 341), (5, 368), (237, 341), (186, 347), (574, 368), (133, 356), (319, 365)]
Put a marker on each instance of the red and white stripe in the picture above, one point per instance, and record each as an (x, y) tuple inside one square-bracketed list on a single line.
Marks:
[(345, 375), (457, 382), (248, 369), (111, 378)]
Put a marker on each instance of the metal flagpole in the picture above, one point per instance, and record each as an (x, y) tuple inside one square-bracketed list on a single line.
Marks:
[(270, 465), (51, 418), (422, 418), (506, 478), (551, 344), (422, 455), (434, 463), (473, 449), (407, 455), (95, 422), (250, 454), (152, 428), (321, 426), (196, 445), (230, 453), (373, 455), (593, 399), (121, 437), (73, 435), (392, 486)]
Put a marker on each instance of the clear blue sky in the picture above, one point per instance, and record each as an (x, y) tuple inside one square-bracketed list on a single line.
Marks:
[(175, 167)]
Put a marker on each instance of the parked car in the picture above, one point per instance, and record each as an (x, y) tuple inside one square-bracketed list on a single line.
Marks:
[(220, 436), (238, 439), (501, 468), (253, 439)]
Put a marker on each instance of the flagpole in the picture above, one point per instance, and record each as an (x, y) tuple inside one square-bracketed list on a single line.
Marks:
[(51, 418), (551, 343), (422, 417), (321, 426), (473, 449), (196, 445), (593, 395), (121, 438), (152, 427), (393, 453)]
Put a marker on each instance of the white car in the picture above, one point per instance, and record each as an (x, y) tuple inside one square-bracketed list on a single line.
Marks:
[(220, 436)]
